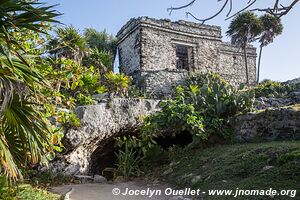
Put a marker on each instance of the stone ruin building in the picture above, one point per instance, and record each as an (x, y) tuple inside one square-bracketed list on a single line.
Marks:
[(158, 54)]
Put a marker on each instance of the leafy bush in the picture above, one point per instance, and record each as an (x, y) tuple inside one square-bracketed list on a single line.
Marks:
[(128, 158), (117, 84), (99, 59), (203, 108), (270, 88)]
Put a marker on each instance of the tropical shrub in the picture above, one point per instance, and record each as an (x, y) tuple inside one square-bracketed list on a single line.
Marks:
[(103, 42), (117, 84), (99, 59), (216, 97), (270, 88), (203, 108), (25, 134), (68, 44)]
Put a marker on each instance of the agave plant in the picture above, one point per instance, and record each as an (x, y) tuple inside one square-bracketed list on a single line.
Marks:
[(24, 135)]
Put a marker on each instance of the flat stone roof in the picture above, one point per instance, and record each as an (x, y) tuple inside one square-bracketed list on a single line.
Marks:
[(180, 27)]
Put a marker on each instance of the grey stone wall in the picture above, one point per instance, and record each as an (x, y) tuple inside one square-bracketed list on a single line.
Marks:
[(161, 83), (232, 64), (268, 125), (129, 51), (149, 45)]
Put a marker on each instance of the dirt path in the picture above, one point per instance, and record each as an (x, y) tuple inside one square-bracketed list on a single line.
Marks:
[(104, 192)]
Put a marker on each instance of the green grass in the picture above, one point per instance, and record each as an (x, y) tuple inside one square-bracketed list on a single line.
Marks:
[(239, 166), (26, 192)]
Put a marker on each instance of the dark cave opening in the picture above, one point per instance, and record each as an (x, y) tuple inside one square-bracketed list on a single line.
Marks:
[(105, 155)]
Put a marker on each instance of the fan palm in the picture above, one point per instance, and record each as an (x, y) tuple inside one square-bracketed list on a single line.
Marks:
[(271, 27), (243, 29), (24, 134), (68, 43)]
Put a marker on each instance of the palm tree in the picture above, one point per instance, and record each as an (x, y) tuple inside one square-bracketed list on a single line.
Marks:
[(24, 134), (68, 43), (102, 41), (243, 29), (271, 27)]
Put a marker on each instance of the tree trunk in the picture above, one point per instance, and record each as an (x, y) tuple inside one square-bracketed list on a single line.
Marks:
[(258, 67), (246, 65)]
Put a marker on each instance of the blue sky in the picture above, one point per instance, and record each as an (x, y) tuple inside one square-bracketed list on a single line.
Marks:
[(281, 60)]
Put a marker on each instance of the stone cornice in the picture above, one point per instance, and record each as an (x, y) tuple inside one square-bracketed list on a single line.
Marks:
[(181, 27)]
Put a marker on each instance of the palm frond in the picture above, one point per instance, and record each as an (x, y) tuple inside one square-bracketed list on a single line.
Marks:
[(24, 134)]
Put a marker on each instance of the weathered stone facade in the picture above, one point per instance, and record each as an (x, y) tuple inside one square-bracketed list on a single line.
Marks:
[(148, 51), (268, 125)]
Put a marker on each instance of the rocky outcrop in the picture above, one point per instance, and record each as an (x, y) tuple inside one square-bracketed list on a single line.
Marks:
[(264, 102), (99, 125), (269, 125)]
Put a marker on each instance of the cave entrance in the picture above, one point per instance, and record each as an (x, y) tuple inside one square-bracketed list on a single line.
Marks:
[(104, 156)]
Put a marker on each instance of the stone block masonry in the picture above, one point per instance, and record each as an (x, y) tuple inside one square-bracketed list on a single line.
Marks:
[(158, 54), (268, 125)]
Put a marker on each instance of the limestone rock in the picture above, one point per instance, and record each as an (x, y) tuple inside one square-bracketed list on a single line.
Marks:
[(99, 179), (268, 125), (100, 123), (84, 179)]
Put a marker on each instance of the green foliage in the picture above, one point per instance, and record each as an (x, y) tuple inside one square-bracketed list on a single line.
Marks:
[(23, 192), (244, 29), (99, 59), (177, 116), (25, 135), (290, 157), (117, 84), (103, 42), (270, 88), (217, 97), (68, 43), (271, 27), (128, 159), (71, 83), (84, 100), (202, 108)]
